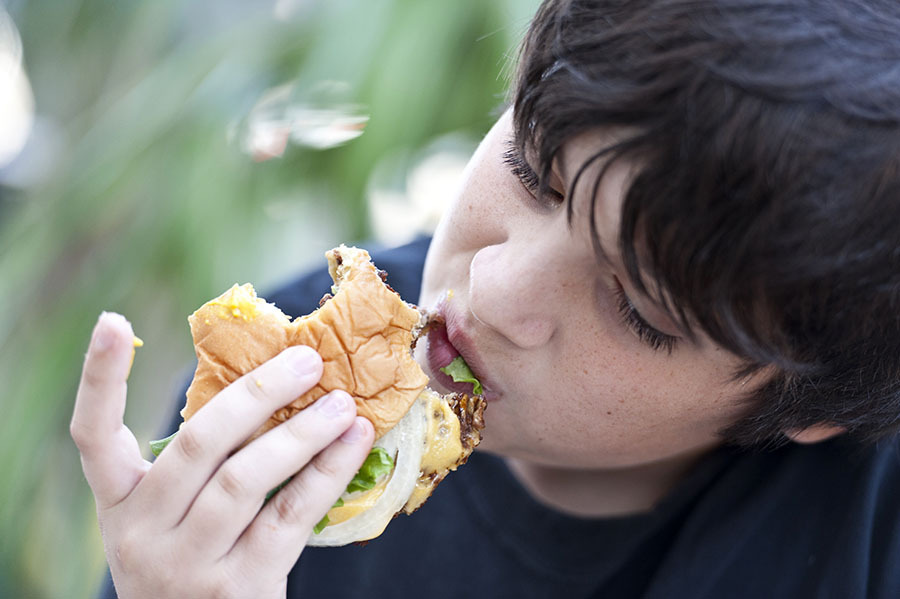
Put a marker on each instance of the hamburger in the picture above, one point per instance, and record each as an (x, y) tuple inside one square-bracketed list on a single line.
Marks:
[(364, 333)]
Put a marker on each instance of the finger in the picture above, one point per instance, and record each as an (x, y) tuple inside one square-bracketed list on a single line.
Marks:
[(206, 440), (110, 454), (236, 492), (278, 534)]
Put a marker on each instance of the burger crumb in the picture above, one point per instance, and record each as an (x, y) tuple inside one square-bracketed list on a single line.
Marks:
[(382, 274)]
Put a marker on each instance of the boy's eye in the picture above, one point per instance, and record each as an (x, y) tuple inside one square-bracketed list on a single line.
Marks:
[(520, 168), (645, 332)]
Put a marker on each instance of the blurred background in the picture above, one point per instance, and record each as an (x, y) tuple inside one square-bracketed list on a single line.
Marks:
[(154, 153)]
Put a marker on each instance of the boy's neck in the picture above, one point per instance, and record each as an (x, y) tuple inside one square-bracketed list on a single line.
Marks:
[(604, 493)]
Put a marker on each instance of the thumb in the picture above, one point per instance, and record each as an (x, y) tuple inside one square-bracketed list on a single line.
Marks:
[(110, 454)]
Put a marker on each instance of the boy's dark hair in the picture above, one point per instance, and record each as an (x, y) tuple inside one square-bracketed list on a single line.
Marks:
[(767, 204)]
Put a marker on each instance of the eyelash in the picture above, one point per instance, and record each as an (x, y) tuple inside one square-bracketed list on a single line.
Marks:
[(634, 321), (522, 171)]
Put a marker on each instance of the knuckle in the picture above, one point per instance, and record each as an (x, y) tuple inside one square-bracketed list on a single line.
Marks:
[(288, 505), (232, 480), (190, 443), (80, 434), (93, 378), (128, 550), (326, 468), (87, 437), (255, 387), (297, 428)]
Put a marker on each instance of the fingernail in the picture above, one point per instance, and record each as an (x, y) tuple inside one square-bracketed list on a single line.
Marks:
[(335, 404), (104, 337), (301, 360), (356, 432)]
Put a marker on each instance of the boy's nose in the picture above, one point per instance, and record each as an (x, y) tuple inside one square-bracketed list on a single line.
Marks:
[(512, 294)]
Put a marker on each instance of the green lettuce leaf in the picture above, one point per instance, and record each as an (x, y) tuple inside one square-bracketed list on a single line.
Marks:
[(325, 521), (378, 463), (271, 493), (460, 372), (157, 446)]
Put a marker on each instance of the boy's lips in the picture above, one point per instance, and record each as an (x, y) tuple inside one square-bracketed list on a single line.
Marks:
[(445, 343)]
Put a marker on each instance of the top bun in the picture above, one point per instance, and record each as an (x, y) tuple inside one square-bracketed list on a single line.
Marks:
[(363, 334)]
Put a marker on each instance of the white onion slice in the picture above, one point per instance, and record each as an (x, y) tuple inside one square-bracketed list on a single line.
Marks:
[(407, 442)]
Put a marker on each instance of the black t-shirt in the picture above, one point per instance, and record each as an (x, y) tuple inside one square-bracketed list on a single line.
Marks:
[(817, 521)]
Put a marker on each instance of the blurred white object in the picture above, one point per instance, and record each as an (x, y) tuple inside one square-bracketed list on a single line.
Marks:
[(316, 119), (325, 128), (16, 98), (38, 158), (399, 213), (285, 10)]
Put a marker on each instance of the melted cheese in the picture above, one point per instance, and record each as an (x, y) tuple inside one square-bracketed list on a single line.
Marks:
[(356, 503), (238, 302), (422, 491), (135, 343), (443, 453), (444, 445)]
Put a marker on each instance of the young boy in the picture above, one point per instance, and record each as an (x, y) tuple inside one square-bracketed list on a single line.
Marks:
[(675, 267)]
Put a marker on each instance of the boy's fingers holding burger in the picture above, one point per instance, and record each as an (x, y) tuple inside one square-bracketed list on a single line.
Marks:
[(237, 489), (110, 454), (224, 424), (280, 531)]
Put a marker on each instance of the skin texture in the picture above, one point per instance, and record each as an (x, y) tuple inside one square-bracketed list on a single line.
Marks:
[(190, 524), (592, 420)]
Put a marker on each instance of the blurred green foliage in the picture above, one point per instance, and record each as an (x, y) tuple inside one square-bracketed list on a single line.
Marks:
[(146, 205)]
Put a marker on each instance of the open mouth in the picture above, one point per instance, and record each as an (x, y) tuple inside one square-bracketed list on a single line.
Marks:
[(442, 351)]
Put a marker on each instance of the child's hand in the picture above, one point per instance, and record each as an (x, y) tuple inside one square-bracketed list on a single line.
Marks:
[(190, 525)]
